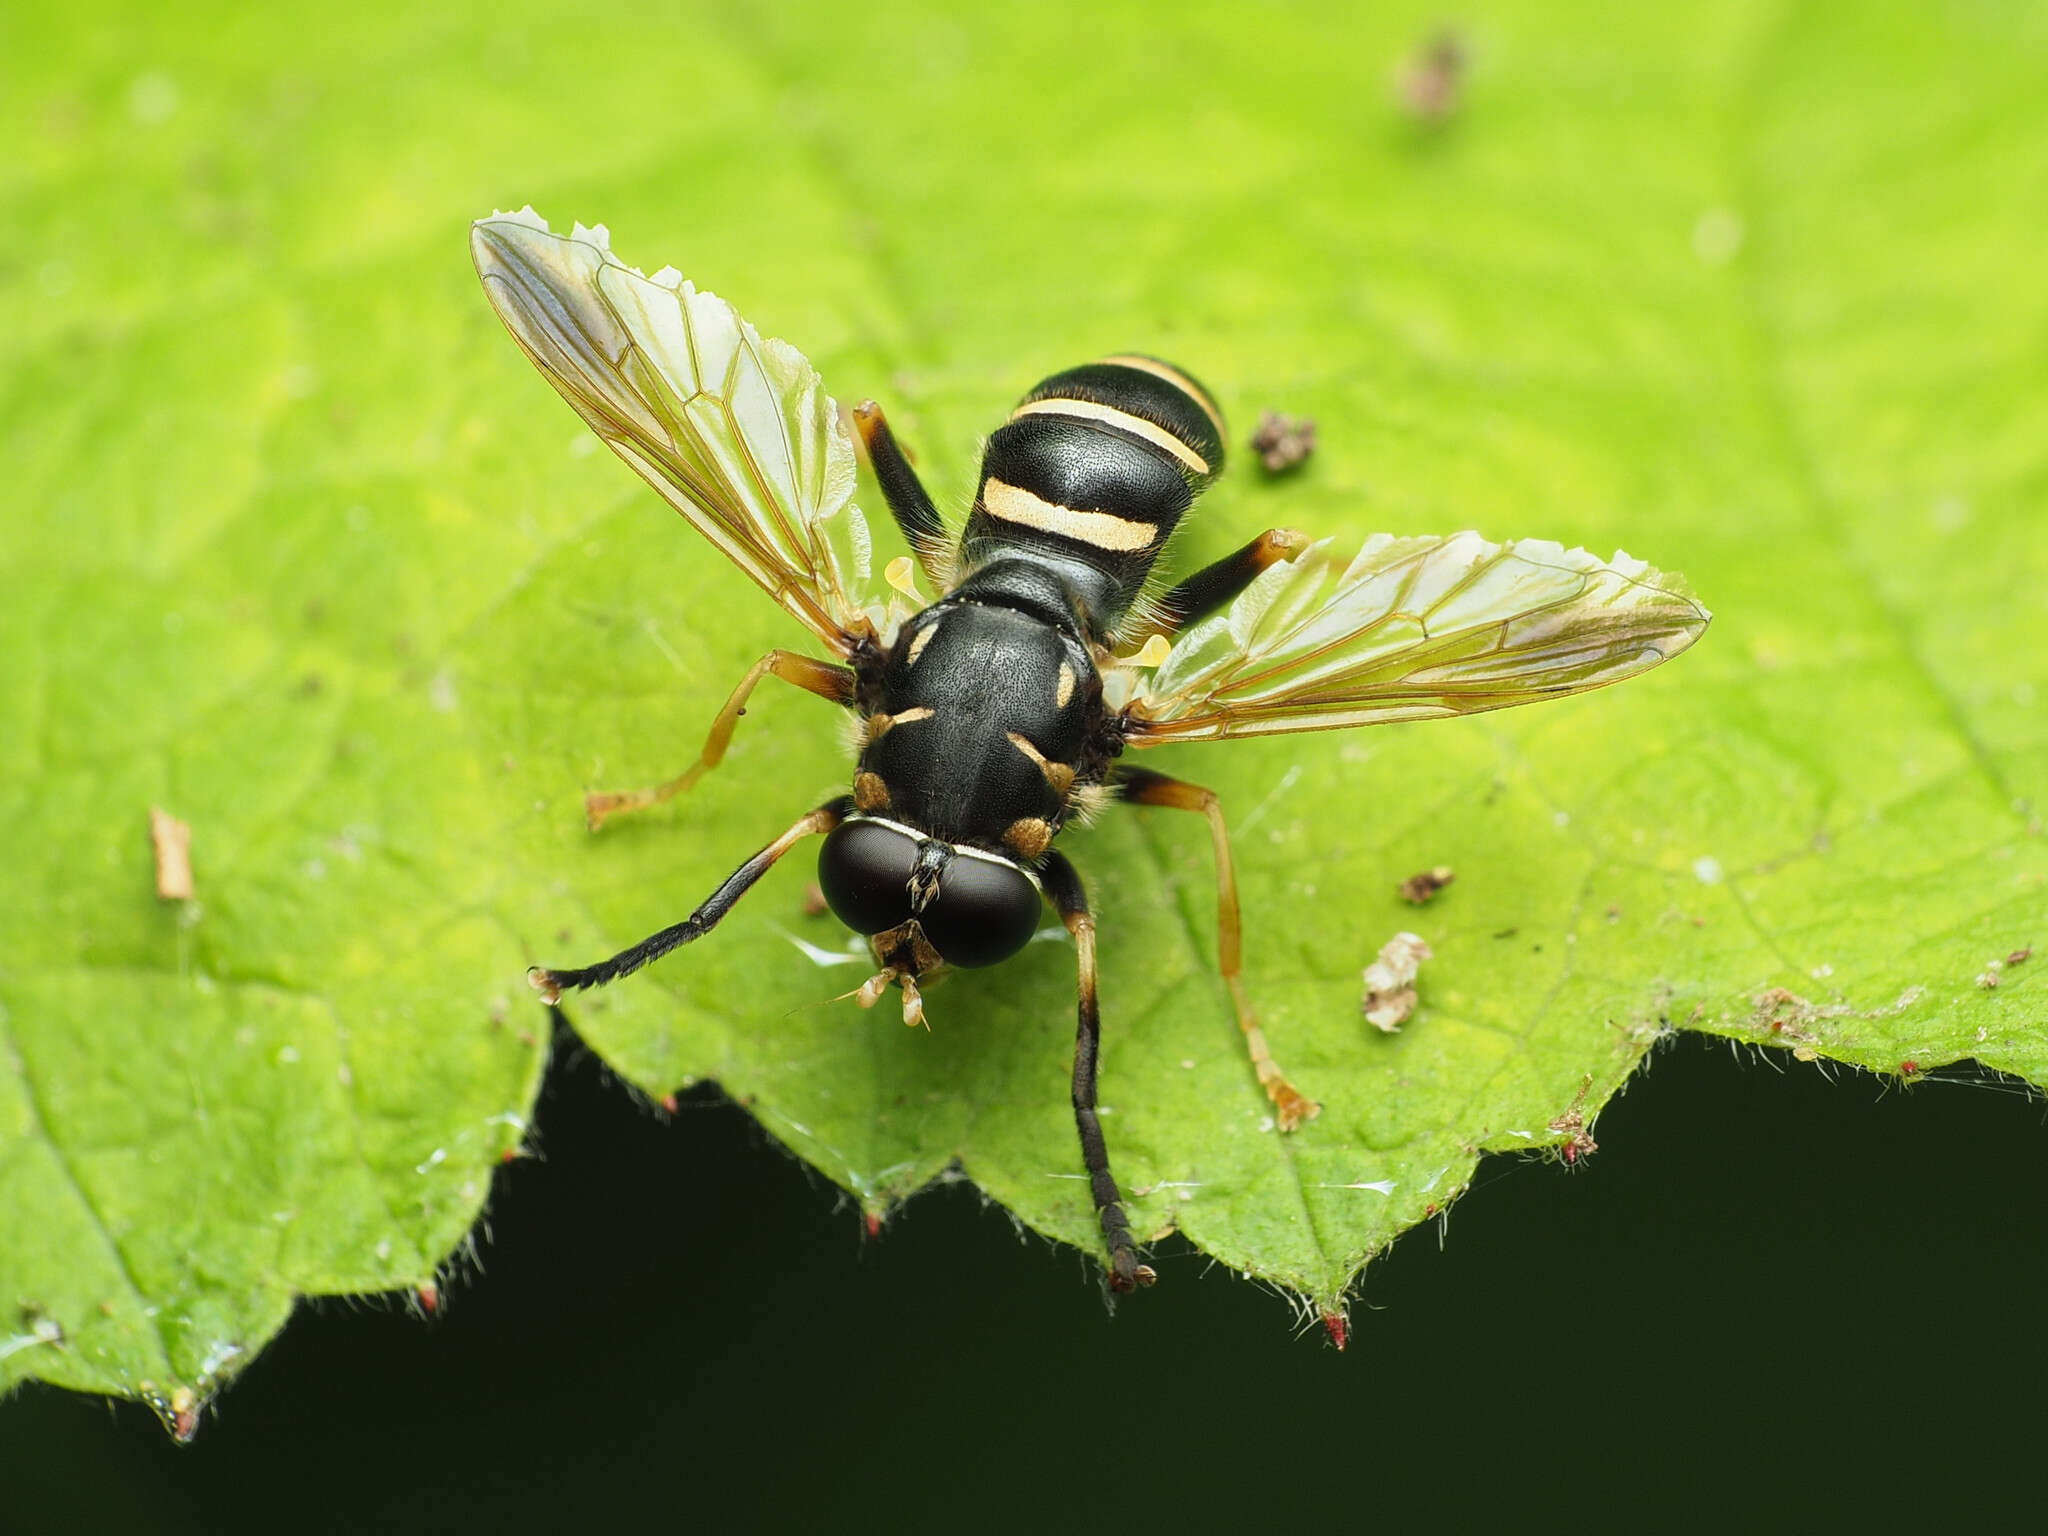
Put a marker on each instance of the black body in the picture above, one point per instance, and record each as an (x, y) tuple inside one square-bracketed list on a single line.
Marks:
[(985, 715)]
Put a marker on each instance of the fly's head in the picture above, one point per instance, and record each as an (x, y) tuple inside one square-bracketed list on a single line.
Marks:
[(923, 903)]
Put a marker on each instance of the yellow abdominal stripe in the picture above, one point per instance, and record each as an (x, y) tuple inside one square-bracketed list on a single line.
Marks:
[(1176, 378), (1105, 530), (1123, 421)]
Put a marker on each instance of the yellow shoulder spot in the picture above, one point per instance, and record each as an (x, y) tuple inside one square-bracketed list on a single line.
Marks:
[(1029, 836), (880, 725), (870, 793)]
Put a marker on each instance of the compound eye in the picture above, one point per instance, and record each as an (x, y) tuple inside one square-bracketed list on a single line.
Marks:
[(864, 871), (984, 912)]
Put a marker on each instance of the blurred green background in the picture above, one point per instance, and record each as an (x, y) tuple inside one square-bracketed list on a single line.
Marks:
[(1749, 289)]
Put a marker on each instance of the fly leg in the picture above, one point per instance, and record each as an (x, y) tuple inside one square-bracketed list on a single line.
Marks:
[(551, 984), (1141, 786), (915, 515), (1063, 890), (1214, 585), (826, 679)]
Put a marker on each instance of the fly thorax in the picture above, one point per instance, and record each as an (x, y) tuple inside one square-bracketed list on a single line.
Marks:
[(984, 713)]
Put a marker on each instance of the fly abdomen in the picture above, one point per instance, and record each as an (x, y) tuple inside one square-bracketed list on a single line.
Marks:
[(1091, 473)]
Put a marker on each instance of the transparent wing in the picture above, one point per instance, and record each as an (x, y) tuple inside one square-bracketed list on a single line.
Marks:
[(736, 433), (1412, 629)]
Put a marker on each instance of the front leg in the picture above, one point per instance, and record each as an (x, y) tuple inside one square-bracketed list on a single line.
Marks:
[(1063, 890), (551, 983), (1141, 786)]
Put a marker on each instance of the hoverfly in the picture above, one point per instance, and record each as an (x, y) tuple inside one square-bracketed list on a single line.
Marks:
[(998, 712)]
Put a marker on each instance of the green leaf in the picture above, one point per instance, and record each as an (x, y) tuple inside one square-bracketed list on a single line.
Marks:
[(300, 549)]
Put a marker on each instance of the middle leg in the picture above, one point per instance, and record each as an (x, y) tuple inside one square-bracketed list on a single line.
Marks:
[(1141, 786), (827, 679)]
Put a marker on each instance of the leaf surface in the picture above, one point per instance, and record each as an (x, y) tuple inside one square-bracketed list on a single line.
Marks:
[(301, 550)]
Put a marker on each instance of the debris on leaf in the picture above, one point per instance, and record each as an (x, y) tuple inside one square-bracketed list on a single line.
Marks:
[(1991, 975), (1338, 1327), (2020, 956), (1281, 442), (1390, 981), (814, 900), (171, 839), (184, 1415), (1782, 1012), (1432, 81), (1418, 888), (1572, 1126)]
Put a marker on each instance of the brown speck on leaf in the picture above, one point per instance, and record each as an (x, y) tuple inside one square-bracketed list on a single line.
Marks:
[(1572, 1125), (2020, 956), (1780, 1010), (1614, 914), (1390, 995), (1282, 442), (814, 900), (1337, 1326), (1432, 81), (1991, 976), (1420, 887), (172, 841)]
